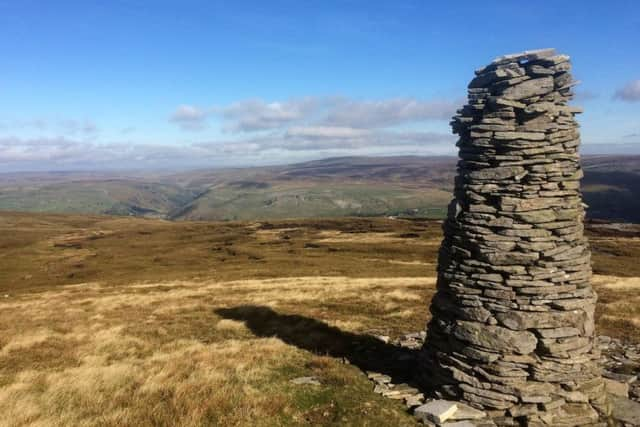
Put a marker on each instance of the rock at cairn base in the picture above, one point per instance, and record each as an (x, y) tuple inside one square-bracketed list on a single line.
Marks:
[(513, 317)]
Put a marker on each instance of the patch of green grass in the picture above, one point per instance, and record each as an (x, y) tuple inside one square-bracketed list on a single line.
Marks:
[(317, 200), (115, 197)]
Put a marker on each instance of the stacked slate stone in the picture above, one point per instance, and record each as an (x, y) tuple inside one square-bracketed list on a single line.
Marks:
[(513, 318)]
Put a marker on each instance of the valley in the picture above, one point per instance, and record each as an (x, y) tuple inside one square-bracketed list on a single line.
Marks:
[(406, 186)]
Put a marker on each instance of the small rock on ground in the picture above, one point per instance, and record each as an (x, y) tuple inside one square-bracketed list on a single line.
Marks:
[(306, 381)]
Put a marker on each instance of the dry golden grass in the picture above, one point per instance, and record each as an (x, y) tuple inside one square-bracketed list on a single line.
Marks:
[(365, 238), (190, 324), (157, 353), (618, 311)]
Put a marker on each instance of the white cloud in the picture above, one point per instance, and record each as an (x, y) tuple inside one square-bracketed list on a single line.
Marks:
[(319, 132), (388, 112), (41, 149), (189, 117), (262, 132), (299, 144), (312, 139), (257, 114), (629, 92), (65, 153)]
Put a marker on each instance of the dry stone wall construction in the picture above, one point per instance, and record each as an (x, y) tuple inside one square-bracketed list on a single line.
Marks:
[(512, 330)]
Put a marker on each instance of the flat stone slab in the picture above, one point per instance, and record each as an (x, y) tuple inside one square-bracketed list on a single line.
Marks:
[(625, 410), (414, 401), (437, 411), (459, 424), (495, 337), (623, 378), (466, 412), (616, 387), (379, 378), (526, 55)]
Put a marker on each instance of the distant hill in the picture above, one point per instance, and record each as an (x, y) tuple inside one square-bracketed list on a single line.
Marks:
[(346, 186), (104, 195), (611, 187)]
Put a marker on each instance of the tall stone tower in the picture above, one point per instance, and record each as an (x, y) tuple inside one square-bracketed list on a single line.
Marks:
[(513, 318)]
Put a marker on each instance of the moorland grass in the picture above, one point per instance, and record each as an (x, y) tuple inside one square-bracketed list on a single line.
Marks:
[(125, 321)]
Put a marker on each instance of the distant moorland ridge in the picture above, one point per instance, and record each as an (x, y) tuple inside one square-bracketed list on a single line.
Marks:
[(410, 186)]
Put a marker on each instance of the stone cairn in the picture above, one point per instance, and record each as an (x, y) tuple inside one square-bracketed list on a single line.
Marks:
[(512, 330)]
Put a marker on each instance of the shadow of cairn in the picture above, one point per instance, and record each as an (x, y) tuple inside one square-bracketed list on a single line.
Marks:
[(362, 350)]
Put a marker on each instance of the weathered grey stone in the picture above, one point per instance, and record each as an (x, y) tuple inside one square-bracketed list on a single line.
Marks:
[(479, 314), (529, 88), (569, 304), (464, 423), (498, 174), (572, 414), (536, 217), (527, 283), (494, 127), (523, 410), (554, 403), (558, 332), (466, 412), (495, 337), (476, 353), (498, 74), (623, 378), (527, 136), (535, 246), (625, 410), (499, 86), (547, 54), (510, 258), (520, 320), (494, 395), (497, 101), (413, 401), (539, 70), (548, 292), (486, 402), (563, 346), (512, 204), (616, 388)]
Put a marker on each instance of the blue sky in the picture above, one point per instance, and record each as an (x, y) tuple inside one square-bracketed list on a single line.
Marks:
[(168, 84)]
